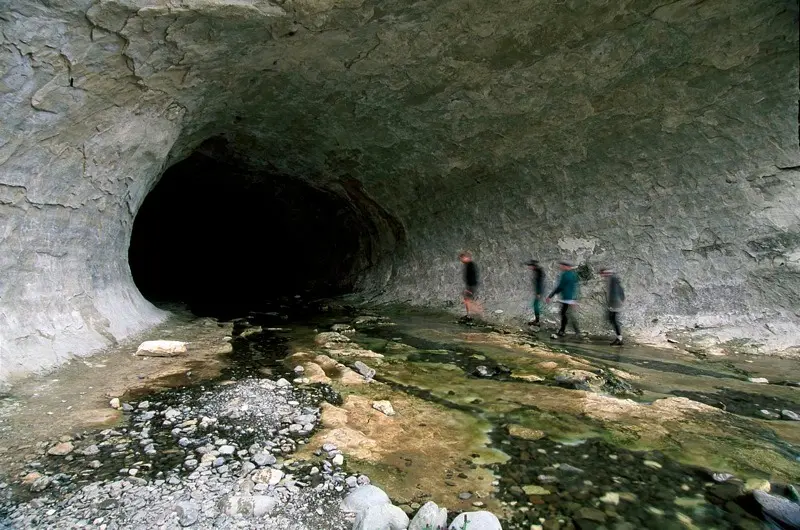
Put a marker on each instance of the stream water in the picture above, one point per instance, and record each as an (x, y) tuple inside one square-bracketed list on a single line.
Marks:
[(551, 433)]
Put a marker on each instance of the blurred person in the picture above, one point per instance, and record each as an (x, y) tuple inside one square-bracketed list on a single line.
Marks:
[(538, 290), (567, 289), (615, 297), (471, 283)]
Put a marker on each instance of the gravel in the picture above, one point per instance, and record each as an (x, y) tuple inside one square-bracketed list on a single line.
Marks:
[(214, 458)]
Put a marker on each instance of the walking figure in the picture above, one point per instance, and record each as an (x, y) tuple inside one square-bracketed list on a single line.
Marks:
[(538, 290), (470, 293), (615, 297), (567, 288)]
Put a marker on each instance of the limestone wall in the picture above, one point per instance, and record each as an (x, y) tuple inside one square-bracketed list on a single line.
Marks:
[(660, 137)]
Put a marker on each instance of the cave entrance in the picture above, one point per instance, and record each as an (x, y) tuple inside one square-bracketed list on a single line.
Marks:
[(221, 239)]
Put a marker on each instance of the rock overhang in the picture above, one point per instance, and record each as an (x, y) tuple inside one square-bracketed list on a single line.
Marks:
[(663, 134)]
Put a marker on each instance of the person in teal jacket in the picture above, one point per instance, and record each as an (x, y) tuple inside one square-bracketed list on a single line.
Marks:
[(568, 290)]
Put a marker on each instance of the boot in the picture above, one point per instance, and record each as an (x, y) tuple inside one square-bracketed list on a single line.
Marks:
[(617, 342)]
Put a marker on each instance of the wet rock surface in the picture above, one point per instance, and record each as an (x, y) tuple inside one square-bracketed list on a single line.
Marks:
[(245, 449), (746, 404)]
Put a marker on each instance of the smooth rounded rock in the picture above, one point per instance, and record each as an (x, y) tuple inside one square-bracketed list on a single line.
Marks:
[(430, 516), (781, 509), (362, 498), (381, 517), (482, 520)]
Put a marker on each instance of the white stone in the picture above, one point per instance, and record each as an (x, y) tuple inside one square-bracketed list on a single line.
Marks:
[(263, 505), (476, 521), (381, 517), (430, 516), (610, 498), (338, 460), (758, 380), (276, 475), (114, 403), (161, 348), (364, 497), (383, 406)]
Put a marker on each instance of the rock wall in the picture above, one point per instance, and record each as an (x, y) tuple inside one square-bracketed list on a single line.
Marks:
[(660, 137)]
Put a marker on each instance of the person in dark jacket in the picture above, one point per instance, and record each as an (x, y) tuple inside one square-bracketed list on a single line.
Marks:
[(567, 289), (470, 292), (615, 298), (538, 290)]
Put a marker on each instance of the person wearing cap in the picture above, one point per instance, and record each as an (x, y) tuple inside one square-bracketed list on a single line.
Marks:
[(615, 298), (567, 289), (538, 290)]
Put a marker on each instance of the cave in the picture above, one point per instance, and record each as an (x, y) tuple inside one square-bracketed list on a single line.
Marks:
[(358, 146), (223, 239)]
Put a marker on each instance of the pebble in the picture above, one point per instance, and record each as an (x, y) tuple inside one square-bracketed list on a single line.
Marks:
[(566, 468), (789, 415), (464, 495), (383, 406), (40, 484), (114, 403), (90, 450), (227, 449), (264, 459), (535, 490), (338, 460), (188, 513), (61, 449), (610, 498), (652, 464)]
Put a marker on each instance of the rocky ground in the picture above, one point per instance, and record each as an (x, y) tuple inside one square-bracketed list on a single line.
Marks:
[(295, 431), (221, 454), (201, 458)]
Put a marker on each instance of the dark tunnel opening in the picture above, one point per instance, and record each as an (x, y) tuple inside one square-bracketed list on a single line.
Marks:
[(221, 239)]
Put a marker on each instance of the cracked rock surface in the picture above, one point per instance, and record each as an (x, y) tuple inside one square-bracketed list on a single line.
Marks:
[(657, 137)]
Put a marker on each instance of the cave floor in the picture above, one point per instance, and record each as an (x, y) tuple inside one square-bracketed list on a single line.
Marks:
[(567, 433)]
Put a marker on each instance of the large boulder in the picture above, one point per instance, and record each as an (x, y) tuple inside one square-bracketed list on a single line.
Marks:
[(476, 521), (381, 517), (778, 508), (364, 497), (429, 517)]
